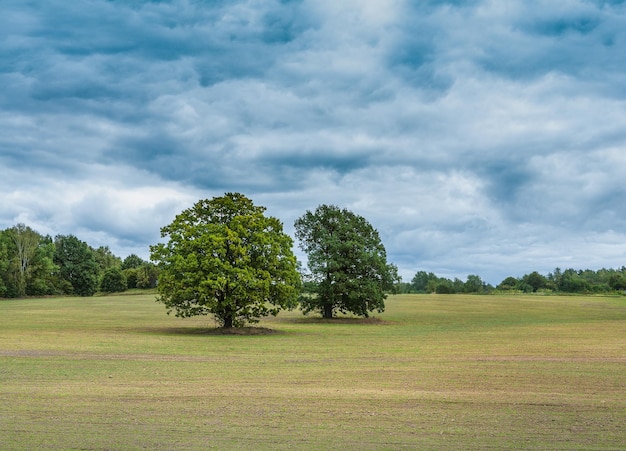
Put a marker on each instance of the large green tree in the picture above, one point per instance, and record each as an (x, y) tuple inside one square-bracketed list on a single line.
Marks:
[(43, 273), (347, 262), (146, 276), (132, 261), (25, 242), (106, 259), (474, 284), (77, 265), (226, 258), (424, 282), (131, 266)]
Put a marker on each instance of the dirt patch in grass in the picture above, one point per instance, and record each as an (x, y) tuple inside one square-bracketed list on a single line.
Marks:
[(586, 359)]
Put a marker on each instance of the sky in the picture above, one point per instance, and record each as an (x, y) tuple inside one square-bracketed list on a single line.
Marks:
[(479, 137)]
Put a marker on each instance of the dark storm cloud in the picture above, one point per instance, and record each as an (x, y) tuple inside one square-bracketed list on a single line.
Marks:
[(478, 136)]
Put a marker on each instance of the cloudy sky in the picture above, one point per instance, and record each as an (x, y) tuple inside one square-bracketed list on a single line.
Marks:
[(479, 137)]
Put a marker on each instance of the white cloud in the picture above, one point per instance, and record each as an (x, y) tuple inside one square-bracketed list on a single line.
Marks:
[(480, 138)]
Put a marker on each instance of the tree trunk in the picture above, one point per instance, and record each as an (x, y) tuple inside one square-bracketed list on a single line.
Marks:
[(228, 322), (328, 311)]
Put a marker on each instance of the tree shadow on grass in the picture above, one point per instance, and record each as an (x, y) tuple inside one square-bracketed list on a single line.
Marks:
[(241, 331), (372, 320)]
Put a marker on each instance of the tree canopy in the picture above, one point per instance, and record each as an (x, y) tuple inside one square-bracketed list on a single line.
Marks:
[(113, 281), (225, 257), (132, 261), (26, 262), (77, 265), (347, 262)]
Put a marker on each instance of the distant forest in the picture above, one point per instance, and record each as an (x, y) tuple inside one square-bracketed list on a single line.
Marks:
[(568, 281), (32, 264)]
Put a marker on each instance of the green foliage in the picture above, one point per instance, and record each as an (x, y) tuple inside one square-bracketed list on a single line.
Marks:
[(569, 281), (428, 282), (147, 276), (26, 263), (77, 264), (474, 284), (4, 264), (347, 260), (617, 281), (113, 281), (43, 278), (132, 261), (444, 288), (131, 277), (225, 257), (29, 267), (24, 242), (423, 282), (403, 288), (140, 274), (105, 259), (508, 284), (535, 281)]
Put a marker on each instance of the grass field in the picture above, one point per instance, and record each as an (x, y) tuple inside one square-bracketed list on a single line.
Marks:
[(432, 372)]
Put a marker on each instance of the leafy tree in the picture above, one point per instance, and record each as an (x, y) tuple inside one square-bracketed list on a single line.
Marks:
[(24, 246), (113, 281), (106, 259), (131, 277), (147, 276), (432, 284), (510, 283), (617, 281), (132, 261), (458, 286), (554, 279), (77, 264), (421, 281), (474, 284), (535, 280), (43, 273), (404, 288), (444, 286), (26, 266), (572, 282), (226, 258), (4, 264), (139, 273), (347, 260)]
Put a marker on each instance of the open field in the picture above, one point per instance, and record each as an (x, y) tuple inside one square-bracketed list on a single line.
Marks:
[(432, 372)]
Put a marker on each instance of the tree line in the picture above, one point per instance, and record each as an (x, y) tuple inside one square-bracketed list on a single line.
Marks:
[(559, 281), (32, 264), (225, 257)]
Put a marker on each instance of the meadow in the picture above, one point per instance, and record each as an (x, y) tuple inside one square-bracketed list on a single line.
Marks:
[(431, 372)]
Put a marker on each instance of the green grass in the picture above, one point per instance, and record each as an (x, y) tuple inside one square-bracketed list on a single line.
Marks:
[(432, 372)]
